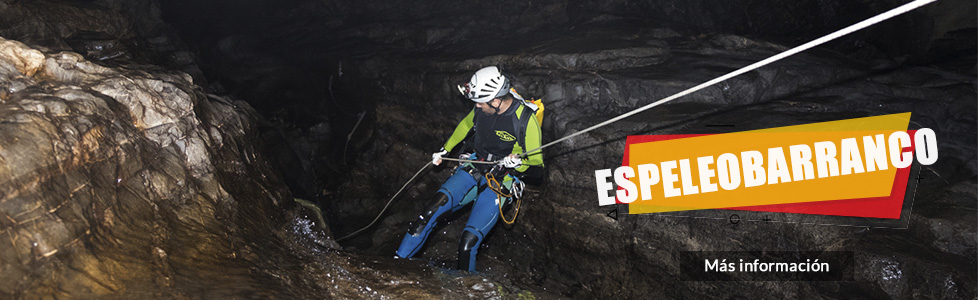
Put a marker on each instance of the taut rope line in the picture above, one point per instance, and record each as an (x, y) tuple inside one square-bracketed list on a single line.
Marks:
[(841, 32), (852, 28)]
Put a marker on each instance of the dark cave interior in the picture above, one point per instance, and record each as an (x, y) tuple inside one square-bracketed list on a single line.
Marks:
[(346, 99), (286, 58)]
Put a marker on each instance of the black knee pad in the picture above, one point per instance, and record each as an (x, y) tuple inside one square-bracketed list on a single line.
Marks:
[(425, 217), (466, 245)]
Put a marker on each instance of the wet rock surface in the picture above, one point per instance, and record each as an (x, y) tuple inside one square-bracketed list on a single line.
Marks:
[(126, 180), (110, 31), (112, 175), (564, 242)]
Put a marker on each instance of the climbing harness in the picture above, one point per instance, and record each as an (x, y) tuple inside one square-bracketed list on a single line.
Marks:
[(839, 33), (852, 28), (516, 191)]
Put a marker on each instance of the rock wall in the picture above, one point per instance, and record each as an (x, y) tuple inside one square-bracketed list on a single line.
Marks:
[(292, 60), (122, 179), (126, 180), (564, 241), (110, 31), (397, 64)]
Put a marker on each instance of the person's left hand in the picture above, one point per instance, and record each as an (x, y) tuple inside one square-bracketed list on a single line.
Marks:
[(512, 161)]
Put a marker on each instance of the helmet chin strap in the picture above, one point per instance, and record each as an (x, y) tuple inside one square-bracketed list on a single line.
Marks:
[(495, 109)]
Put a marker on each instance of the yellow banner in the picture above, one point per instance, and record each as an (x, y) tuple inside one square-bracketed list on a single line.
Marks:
[(846, 159)]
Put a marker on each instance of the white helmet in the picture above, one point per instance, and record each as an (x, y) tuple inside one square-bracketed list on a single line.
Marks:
[(486, 84)]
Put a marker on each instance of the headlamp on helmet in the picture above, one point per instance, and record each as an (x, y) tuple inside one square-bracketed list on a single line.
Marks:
[(486, 84)]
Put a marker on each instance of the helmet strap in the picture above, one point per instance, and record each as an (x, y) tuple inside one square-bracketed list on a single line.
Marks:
[(495, 109)]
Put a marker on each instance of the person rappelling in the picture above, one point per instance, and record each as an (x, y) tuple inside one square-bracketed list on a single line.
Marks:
[(505, 130), (501, 127)]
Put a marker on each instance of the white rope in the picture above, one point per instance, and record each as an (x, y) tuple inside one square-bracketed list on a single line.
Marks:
[(858, 26), (470, 161), (402, 189), (385, 206), (852, 28)]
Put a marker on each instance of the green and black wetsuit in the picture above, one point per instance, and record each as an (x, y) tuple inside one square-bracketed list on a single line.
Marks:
[(496, 136)]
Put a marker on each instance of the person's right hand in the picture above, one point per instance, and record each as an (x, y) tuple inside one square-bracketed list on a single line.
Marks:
[(511, 161), (436, 157)]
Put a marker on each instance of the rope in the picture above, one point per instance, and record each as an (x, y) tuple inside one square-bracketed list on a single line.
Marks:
[(350, 136), (470, 161), (386, 206), (852, 28)]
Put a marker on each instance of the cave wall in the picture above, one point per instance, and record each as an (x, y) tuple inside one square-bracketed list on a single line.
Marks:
[(120, 177), (910, 37), (124, 174), (127, 175), (602, 67), (291, 60), (398, 62), (124, 182), (564, 241)]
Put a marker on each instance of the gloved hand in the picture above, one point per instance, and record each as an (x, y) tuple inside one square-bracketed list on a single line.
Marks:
[(512, 161), (436, 157)]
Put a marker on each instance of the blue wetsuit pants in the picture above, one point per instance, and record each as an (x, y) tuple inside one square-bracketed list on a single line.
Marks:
[(458, 191)]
